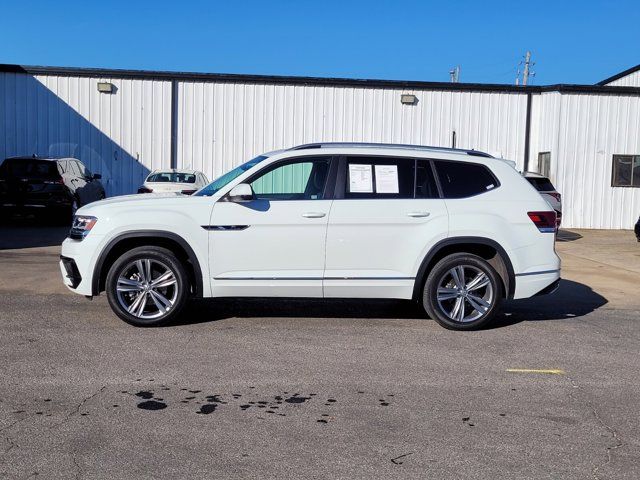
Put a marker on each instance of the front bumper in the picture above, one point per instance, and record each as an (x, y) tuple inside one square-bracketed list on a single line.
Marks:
[(81, 254)]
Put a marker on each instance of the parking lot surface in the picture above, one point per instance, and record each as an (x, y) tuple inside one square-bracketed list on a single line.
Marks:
[(311, 389)]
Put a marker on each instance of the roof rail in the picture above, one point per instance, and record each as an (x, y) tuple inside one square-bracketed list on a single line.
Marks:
[(309, 146)]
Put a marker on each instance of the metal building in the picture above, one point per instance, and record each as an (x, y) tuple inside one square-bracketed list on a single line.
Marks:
[(124, 124)]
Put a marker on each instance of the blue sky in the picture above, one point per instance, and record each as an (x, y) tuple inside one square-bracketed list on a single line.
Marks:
[(571, 41)]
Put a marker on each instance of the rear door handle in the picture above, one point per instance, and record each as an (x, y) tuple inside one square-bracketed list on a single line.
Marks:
[(418, 214), (313, 214)]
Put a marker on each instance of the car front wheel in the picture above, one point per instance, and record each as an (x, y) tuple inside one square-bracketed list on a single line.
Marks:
[(462, 292), (147, 286)]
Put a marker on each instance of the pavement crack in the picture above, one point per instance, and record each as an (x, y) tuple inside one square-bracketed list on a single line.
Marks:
[(615, 443), (76, 410)]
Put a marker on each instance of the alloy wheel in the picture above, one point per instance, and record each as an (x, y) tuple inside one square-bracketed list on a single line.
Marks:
[(147, 288), (465, 293)]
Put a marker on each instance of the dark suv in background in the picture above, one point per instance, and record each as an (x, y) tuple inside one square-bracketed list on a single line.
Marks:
[(56, 187)]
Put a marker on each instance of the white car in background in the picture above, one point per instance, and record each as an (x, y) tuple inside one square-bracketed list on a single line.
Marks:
[(176, 181)]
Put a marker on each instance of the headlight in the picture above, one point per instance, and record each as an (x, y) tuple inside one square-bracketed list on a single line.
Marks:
[(81, 226)]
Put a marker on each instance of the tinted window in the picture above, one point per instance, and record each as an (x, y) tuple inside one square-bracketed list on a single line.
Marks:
[(425, 182), (304, 179), (541, 184), (379, 177), (172, 177), (28, 168), (460, 179)]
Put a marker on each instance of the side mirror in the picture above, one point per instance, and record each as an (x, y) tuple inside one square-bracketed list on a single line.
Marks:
[(96, 176), (241, 193)]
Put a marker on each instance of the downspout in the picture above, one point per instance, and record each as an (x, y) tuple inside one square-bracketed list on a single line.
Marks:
[(174, 124), (527, 133)]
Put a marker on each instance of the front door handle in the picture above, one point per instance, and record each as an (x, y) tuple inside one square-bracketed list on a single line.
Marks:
[(418, 214), (313, 214)]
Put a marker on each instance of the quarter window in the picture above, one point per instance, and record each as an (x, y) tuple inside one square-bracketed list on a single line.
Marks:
[(304, 179), (379, 177), (461, 179), (626, 171)]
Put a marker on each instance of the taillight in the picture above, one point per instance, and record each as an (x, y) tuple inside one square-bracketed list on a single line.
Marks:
[(188, 192), (545, 221), (144, 190)]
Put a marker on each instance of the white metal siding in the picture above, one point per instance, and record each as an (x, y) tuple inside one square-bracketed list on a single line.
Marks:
[(122, 136), (221, 125), (583, 132), (631, 80)]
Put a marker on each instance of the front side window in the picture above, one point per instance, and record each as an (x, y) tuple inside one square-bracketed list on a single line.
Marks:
[(626, 171), (302, 179), (379, 177), (461, 179)]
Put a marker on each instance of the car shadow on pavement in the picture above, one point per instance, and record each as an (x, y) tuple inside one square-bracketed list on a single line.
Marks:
[(29, 233), (201, 311), (572, 299)]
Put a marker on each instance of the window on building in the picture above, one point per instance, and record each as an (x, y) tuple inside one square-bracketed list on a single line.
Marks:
[(544, 163), (460, 179), (626, 171)]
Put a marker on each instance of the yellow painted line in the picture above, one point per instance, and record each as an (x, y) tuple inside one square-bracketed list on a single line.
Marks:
[(549, 371)]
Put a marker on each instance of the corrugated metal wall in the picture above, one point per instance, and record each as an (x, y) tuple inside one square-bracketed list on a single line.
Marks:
[(223, 124), (122, 136), (631, 80), (587, 132)]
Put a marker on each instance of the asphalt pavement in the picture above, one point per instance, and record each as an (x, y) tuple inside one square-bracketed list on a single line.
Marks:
[(312, 389)]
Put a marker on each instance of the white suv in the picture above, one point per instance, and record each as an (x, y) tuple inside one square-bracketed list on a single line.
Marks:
[(456, 230)]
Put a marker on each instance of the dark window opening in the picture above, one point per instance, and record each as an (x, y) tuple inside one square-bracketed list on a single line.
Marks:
[(626, 171), (461, 179)]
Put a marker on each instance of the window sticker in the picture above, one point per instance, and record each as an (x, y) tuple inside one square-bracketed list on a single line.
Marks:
[(360, 179), (387, 179)]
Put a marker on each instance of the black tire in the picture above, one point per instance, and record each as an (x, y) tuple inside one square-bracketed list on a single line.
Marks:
[(447, 311), (126, 269)]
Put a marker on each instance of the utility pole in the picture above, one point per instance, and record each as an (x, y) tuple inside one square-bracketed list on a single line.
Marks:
[(454, 74), (525, 74)]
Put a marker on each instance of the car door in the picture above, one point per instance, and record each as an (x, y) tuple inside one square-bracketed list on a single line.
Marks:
[(274, 245), (386, 215)]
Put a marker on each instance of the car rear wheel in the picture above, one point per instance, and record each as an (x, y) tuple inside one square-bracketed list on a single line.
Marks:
[(147, 286), (462, 292)]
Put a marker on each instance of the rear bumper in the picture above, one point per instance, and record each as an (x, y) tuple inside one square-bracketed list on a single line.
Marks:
[(536, 283)]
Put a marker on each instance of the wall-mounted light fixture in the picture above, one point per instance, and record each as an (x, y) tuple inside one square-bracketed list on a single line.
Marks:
[(106, 87), (408, 99)]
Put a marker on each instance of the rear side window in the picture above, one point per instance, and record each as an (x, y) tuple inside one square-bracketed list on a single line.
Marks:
[(461, 180), (379, 177), (541, 184)]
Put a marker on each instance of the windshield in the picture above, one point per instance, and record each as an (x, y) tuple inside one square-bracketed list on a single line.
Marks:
[(172, 177), (228, 177)]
